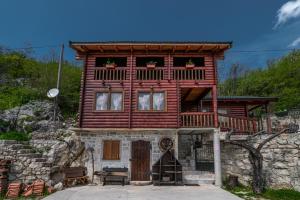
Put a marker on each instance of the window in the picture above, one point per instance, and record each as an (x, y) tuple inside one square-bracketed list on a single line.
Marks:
[(151, 101), (112, 101), (111, 150)]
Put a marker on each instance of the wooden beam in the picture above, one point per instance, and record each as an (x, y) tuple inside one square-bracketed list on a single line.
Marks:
[(187, 48), (200, 48), (187, 94), (116, 48), (100, 48)]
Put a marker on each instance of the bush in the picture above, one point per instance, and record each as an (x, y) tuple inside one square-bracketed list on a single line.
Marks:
[(28, 79), (14, 135)]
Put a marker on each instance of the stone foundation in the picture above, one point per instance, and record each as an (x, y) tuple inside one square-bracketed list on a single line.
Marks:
[(281, 161), (95, 140)]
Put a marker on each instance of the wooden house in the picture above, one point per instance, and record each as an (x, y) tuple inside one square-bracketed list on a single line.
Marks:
[(136, 95)]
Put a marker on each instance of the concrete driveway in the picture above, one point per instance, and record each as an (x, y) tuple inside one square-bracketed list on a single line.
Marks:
[(204, 192)]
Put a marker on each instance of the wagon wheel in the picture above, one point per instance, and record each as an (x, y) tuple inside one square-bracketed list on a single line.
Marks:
[(165, 144)]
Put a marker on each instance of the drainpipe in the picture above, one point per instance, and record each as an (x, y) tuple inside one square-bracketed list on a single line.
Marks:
[(217, 158)]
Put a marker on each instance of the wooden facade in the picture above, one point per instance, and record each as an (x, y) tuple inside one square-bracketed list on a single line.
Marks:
[(183, 88), (130, 79)]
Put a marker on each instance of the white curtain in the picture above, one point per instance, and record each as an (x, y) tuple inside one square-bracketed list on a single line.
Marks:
[(102, 101), (158, 101)]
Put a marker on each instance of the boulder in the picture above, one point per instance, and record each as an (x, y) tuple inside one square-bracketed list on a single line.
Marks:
[(59, 186)]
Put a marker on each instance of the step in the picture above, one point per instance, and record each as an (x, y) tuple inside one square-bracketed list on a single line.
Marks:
[(40, 160), (26, 151), (198, 177), (31, 155)]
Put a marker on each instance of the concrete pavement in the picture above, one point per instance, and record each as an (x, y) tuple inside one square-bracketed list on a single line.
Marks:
[(150, 192)]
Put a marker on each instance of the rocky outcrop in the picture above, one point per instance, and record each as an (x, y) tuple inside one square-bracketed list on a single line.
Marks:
[(33, 116)]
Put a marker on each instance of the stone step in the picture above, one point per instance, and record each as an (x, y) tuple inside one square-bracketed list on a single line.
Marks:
[(26, 151), (41, 160), (198, 177), (31, 155)]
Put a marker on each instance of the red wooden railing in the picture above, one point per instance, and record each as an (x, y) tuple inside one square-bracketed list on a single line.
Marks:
[(240, 124), (149, 74), (189, 74), (110, 74), (197, 119)]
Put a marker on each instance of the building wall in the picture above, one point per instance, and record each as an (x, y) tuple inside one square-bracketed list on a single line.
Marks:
[(95, 140), (130, 117)]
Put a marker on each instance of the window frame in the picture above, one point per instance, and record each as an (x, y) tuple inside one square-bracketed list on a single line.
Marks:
[(103, 148), (151, 110), (109, 99)]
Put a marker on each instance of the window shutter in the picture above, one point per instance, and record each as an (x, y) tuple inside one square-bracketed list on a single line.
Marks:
[(111, 150), (115, 149)]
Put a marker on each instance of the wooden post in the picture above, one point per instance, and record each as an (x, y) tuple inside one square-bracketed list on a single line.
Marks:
[(269, 125), (58, 80), (215, 105), (130, 90)]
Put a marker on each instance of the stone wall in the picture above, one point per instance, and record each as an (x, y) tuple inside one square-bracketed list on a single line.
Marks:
[(39, 158), (281, 161), (95, 140)]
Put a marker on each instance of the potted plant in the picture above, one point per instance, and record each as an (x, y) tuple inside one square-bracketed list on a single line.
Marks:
[(110, 64), (190, 64), (151, 64)]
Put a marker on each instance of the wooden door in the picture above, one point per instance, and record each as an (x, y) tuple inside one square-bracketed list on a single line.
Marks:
[(140, 160)]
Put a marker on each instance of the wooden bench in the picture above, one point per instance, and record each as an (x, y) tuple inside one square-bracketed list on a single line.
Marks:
[(110, 174), (75, 174)]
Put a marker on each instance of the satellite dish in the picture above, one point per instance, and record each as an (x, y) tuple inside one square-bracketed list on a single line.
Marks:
[(52, 92)]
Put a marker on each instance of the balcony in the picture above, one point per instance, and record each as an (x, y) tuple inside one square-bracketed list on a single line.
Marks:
[(240, 124), (110, 74), (150, 74), (197, 119), (192, 74)]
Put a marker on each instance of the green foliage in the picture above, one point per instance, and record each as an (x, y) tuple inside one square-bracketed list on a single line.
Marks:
[(271, 194), (29, 79), (280, 79), (14, 135), (282, 194)]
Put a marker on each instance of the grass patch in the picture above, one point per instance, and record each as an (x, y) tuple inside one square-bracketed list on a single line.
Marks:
[(270, 194), (14, 135), (282, 194)]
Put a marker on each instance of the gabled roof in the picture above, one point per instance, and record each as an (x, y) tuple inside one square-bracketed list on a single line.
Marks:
[(116, 46)]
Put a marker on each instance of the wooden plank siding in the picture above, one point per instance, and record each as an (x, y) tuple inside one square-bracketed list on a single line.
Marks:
[(130, 117)]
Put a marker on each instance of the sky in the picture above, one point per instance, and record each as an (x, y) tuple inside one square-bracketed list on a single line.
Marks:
[(259, 29)]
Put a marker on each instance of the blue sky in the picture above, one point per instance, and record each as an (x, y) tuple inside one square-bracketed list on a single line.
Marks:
[(251, 25)]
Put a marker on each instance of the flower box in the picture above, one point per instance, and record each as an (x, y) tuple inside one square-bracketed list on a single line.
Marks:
[(189, 66), (110, 66), (151, 65)]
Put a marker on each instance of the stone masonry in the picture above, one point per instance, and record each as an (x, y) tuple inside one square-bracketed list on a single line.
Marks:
[(281, 161), (95, 140), (39, 158)]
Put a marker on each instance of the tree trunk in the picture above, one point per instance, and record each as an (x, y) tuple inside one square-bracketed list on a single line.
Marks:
[(258, 180)]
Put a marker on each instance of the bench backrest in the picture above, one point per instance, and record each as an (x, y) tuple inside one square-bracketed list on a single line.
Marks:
[(115, 169), (73, 172)]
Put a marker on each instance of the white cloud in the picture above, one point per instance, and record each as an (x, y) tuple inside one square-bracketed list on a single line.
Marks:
[(289, 10), (295, 42)]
